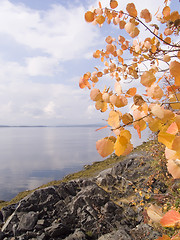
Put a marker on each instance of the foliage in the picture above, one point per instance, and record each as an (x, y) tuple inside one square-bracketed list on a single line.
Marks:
[(153, 71)]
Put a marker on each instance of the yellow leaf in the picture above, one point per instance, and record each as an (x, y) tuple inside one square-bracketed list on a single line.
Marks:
[(155, 124), (176, 144), (105, 147), (166, 138), (173, 98), (128, 150), (126, 134), (114, 119), (175, 71), (177, 120), (120, 145)]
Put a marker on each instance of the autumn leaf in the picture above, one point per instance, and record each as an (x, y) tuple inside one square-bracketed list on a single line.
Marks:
[(176, 237), (114, 119), (166, 138), (127, 118), (166, 11), (120, 145), (170, 154), (164, 237), (89, 16), (154, 91), (173, 98), (105, 147), (175, 71), (173, 166), (131, 9), (173, 128), (147, 79), (176, 143), (157, 111), (155, 213), (146, 15), (131, 92), (113, 4), (171, 219)]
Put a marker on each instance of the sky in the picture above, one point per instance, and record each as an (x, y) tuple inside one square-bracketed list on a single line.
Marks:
[(45, 47)]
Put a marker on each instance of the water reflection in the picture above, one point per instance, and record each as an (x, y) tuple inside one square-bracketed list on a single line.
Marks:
[(30, 157)]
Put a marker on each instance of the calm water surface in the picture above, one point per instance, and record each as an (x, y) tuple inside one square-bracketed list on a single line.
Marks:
[(32, 156)]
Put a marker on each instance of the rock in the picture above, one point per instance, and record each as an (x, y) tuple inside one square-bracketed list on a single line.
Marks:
[(27, 221), (57, 230), (144, 230), (2, 235), (120, 234), (77, 235), (84, 209)]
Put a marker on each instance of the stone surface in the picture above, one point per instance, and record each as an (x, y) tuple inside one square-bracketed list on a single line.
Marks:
[(85, 209)]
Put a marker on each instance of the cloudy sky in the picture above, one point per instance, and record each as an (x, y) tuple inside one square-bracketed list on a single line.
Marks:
[(45, 47)]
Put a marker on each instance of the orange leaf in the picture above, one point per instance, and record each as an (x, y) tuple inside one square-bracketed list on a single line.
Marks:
[(171, 219), (113, 4), (100, 5), (176, 237), (89, 16), (147, 79), (100, 19), (173, 128), (138, 130), (101, 128), (131, 9), (105, 147), (131, 92), (166, 11), (164, 237)]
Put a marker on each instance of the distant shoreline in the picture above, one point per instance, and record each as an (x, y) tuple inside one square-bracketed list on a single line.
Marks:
[(49, 126)]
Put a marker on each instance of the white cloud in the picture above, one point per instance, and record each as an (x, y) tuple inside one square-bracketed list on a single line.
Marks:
[(60, 32), (43, 66)]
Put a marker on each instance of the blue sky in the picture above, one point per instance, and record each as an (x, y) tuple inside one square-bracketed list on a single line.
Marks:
[(45, 47)]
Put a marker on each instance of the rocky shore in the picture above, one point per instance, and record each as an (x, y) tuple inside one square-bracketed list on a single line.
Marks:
[(108, 206)]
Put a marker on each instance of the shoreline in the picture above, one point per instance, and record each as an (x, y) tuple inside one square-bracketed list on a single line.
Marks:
[(88, 171)]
